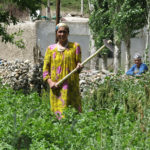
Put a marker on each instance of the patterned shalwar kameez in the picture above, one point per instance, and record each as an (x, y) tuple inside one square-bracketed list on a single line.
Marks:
[(56, 66)]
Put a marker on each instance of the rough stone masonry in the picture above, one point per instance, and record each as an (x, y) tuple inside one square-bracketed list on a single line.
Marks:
[(26, 76)]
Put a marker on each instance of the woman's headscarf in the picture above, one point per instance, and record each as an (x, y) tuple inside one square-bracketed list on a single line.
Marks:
[(137, 56), (62, 25)]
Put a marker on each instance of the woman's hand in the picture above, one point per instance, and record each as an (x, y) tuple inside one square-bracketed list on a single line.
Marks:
[(52, 84), (79, 67)]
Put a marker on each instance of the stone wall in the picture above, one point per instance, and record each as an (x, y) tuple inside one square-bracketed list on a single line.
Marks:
[(23, 75)]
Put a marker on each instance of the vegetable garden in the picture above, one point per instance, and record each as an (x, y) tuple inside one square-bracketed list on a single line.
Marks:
[(115, 116)]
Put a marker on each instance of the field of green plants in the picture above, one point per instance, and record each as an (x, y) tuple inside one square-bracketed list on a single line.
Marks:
[(116, 116)]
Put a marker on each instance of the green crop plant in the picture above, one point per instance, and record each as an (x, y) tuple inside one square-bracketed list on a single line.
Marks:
[(115, 116)]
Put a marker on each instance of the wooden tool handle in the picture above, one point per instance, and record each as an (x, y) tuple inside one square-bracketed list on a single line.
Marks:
[(84, 62), (67, 76)]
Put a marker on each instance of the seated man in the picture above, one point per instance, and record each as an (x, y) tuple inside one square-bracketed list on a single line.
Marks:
[(138, 68)]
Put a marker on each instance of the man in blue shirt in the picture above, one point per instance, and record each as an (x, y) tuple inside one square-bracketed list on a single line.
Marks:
[(138, 68)]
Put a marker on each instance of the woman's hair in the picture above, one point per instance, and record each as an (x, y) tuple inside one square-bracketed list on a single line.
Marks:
[(62, 25), (137, 56)]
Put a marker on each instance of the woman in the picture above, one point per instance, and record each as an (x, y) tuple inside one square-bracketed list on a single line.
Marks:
[(60, 59), (138, 68)]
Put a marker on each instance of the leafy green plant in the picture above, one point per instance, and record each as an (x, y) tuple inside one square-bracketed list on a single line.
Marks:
[(115, 116)]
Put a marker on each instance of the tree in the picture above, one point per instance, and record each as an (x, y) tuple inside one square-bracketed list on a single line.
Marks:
[(94, 63), (120, 19), (128, 20), (82, 6), (7, 17), (147, 46), (100, 26), (116, 36)]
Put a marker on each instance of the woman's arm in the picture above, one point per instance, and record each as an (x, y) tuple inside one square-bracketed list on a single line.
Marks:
[(143, 68), (46, 69), (78, 57), (46, 65), (131, 71)]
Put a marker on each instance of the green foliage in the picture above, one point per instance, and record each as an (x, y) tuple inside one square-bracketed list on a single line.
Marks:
[(73, 5), (100, 23), (130, 16), (116, 116), (7, 18), (125, 17), (32, 5)]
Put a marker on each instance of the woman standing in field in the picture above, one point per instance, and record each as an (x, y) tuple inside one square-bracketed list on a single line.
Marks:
[(60, 59)]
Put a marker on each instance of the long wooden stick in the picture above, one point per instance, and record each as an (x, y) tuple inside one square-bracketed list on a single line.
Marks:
[(84, 62)]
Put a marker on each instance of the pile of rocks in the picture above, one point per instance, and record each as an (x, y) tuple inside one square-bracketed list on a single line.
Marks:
[(26, 76), (21, 75), (90, 79)]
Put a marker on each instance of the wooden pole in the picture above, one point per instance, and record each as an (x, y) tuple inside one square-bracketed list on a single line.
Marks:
[(82, 5), (57, 14), (48, 9), (57, 11)]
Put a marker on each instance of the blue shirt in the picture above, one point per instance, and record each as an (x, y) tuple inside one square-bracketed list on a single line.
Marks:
[(134, 70)]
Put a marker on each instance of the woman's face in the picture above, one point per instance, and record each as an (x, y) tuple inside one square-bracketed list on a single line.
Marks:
[(137, 62), (62, 34)]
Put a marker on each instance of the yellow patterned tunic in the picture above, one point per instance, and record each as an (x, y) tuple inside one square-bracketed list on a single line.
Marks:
[(56, 66)]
